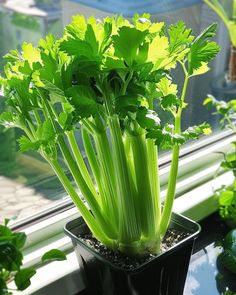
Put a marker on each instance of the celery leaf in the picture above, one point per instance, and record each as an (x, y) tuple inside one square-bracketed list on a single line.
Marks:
[(202, 50)]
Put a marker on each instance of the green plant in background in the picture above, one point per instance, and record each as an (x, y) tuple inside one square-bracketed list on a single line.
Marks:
[(103, 79), (25, 21), (228, 256), (11, 257), (229, 20), (7, 149), (226, 264), (226, 195)]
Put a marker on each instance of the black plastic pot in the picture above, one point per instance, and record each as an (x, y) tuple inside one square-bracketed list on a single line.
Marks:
[(165, 274)]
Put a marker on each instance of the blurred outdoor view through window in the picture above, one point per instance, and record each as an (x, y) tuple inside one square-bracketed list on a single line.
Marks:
[(27, 183)]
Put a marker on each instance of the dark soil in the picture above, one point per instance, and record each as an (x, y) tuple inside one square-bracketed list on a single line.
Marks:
[(172, 237)]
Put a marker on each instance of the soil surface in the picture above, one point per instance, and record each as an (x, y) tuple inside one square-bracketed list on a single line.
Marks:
[(172, 237)]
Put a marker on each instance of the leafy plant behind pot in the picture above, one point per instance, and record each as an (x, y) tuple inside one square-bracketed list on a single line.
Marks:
[(11, 258), (226, 265), (226, 195), (102, 79)]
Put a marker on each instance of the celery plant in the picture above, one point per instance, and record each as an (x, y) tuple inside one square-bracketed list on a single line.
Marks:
[(103, 79)]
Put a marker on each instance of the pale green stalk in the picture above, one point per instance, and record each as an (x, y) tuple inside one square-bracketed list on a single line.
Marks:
[(154, 180), (154, 176), (78, 177), (80, 161), (93, 162), (129, 227), (168, 205), (108, 175), (94, 226), (145, 199)]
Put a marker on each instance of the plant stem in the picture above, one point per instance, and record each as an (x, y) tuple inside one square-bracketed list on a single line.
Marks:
[(89, 218), (126, 83), (166, 214), (99, 180), (108, 173), (91, 156), (86, 192), (78, 177), (37, 118), (129, 157), (155, 180), (80, 161), (145, 199), (154, 176), (129, 229)]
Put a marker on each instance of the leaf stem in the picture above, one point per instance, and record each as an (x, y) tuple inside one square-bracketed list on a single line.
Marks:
[(80, 161), (126, 83), (129, 230), (89, 218), (148, 218), (108, 172), (78, 177), (168, 205)]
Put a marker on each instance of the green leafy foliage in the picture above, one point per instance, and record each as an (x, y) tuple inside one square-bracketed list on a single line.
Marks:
[(11, 257), (226, 195), (166, 137), (227, 111), (22, 278), (195, 131), (227, 205), (108, 78), (129, 51), (53, 255), (180, 37), (228, 257), (202, 50)]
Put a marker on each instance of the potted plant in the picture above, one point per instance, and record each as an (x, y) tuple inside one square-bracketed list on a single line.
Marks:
[(224, 86), (104, 79)]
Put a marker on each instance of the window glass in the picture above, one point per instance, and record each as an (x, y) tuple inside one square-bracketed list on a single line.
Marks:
[(27, 183)]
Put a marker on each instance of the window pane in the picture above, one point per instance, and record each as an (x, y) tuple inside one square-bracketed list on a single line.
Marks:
[(27, 183)]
